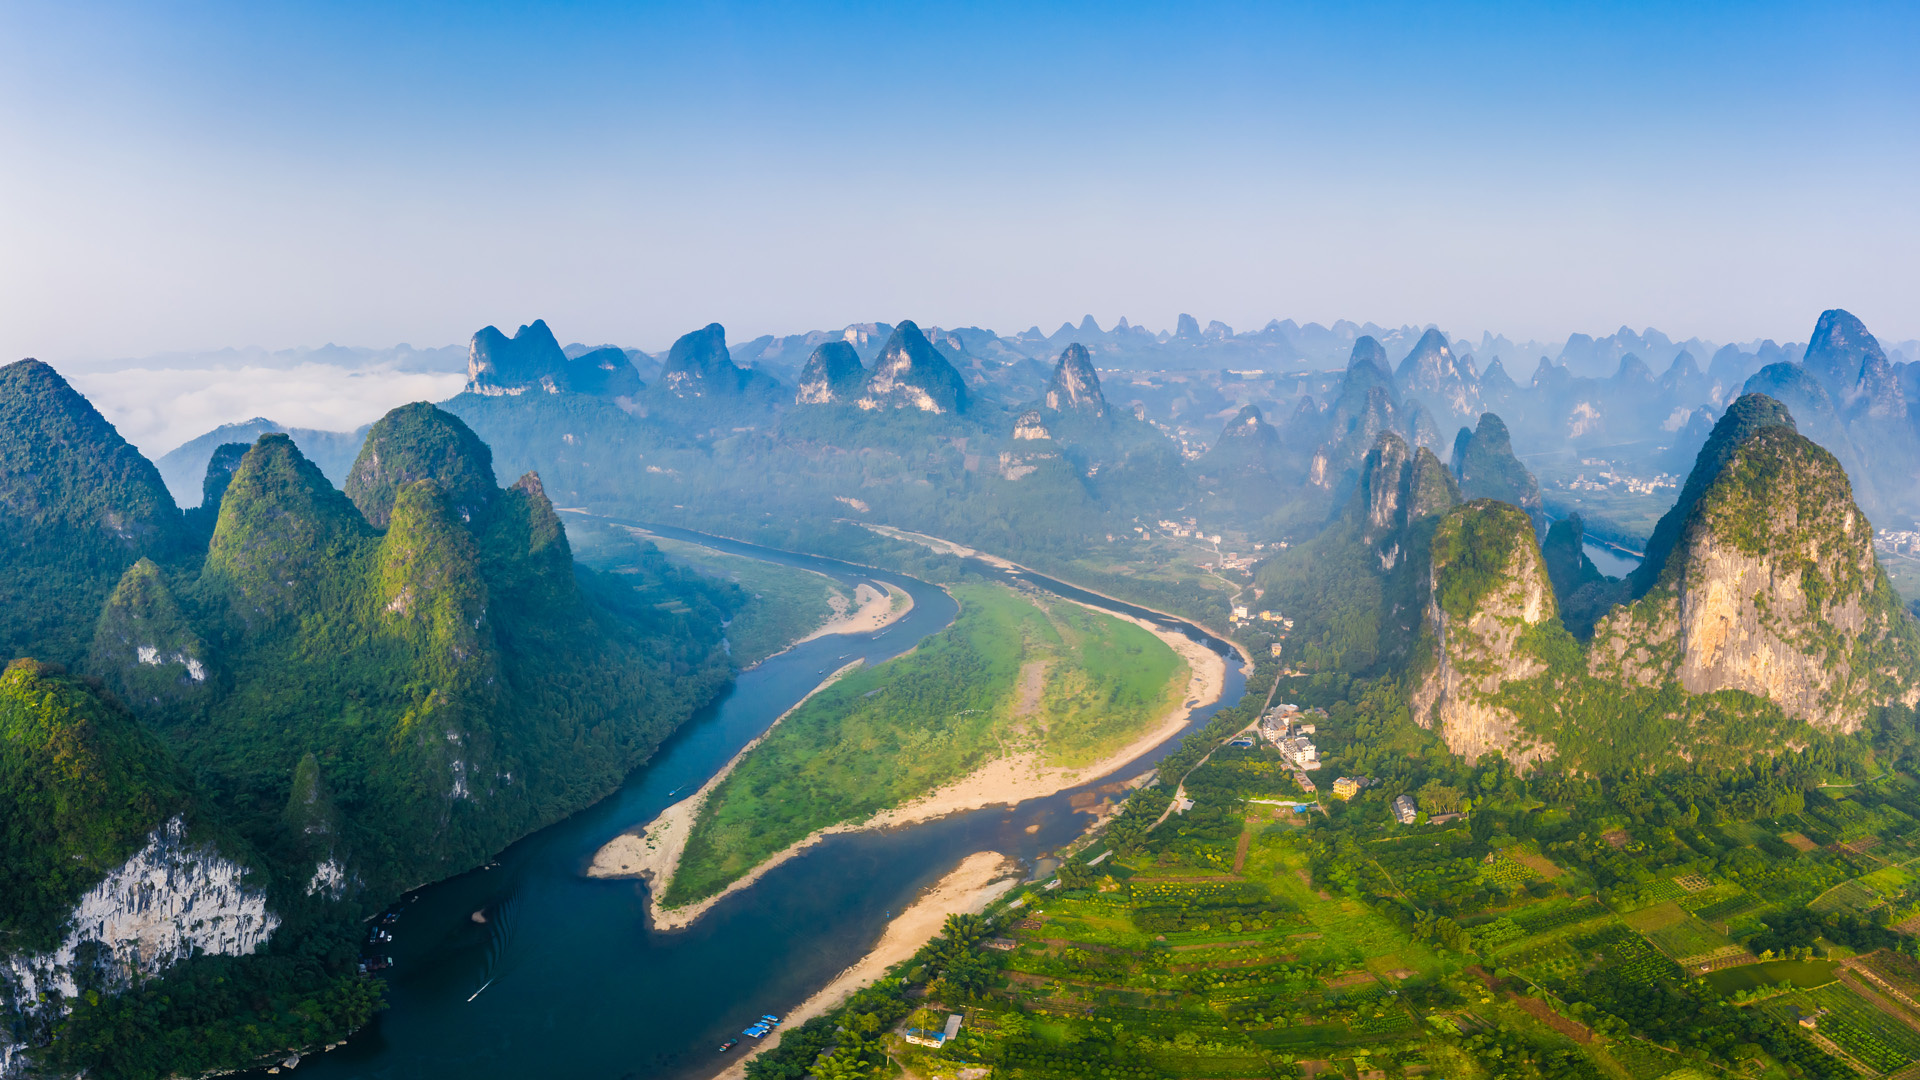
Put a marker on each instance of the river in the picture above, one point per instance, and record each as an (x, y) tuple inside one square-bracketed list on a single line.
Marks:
[(570, 980)]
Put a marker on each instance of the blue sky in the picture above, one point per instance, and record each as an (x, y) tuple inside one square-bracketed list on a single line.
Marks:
[(190, 175)]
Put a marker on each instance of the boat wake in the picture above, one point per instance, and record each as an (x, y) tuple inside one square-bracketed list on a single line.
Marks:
[(501, 926)]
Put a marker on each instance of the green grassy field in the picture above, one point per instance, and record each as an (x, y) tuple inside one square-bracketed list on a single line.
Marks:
[(1801, 973), (1013, 673), (786, 603), (777, 605)]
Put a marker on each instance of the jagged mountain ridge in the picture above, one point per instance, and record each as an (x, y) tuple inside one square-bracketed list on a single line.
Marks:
[(1768, 614)]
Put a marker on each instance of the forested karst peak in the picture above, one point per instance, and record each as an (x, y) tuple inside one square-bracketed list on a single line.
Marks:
[(699, 362), (1841, 350), (78, 505), (832, 375), (1779, 590), (144, 645), (63, 466), (1487, 468), (281, 527), (421, 442), (532, 360), (1368, 353), (1432, 358), (226, 458)]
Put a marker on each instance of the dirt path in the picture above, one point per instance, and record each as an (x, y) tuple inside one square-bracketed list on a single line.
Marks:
[(1180, 789), (1246, 841)]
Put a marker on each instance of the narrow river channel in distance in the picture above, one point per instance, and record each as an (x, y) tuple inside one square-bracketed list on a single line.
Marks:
[(570, 980)]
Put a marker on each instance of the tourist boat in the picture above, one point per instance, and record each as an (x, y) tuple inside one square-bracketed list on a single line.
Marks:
[(728, 1045), (756, 1031)]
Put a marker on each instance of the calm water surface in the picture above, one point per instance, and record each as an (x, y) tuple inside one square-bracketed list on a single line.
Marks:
[(570, 982), (1610, 561)]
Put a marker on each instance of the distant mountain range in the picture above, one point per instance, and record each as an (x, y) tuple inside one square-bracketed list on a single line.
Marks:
[(1603, 400)]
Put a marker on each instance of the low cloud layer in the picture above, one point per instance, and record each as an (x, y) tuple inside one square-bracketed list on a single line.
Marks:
[(157, 409)]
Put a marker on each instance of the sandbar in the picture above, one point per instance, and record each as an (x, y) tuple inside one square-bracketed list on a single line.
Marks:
[(873, 609)]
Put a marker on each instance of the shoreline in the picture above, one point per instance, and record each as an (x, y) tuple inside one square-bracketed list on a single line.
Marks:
[(1007, 781), (980, 879), (950, 547), (652, 854)]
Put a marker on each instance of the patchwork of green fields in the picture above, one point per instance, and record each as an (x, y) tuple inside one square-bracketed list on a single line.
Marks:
[(1564, 929)]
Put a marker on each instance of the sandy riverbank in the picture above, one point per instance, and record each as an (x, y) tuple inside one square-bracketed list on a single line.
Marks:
[(655, 853), (872, 609), (968, 889)]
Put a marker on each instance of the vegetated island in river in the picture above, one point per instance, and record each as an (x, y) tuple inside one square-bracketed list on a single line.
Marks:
[(1024, 695)]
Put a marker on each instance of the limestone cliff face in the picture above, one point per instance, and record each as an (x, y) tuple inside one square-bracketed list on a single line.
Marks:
[(1400, 487), (1031, 425), (1773, 590), (1489, 588), (1445, 381), (911, 374), (1767, 612), (171, 899), (1075, 386)]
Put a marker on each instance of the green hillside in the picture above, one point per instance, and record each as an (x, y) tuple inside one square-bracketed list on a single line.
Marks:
[(81, 786), (400, 679)]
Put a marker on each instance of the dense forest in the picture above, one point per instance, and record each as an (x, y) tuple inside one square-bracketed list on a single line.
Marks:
[(339, 694)]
